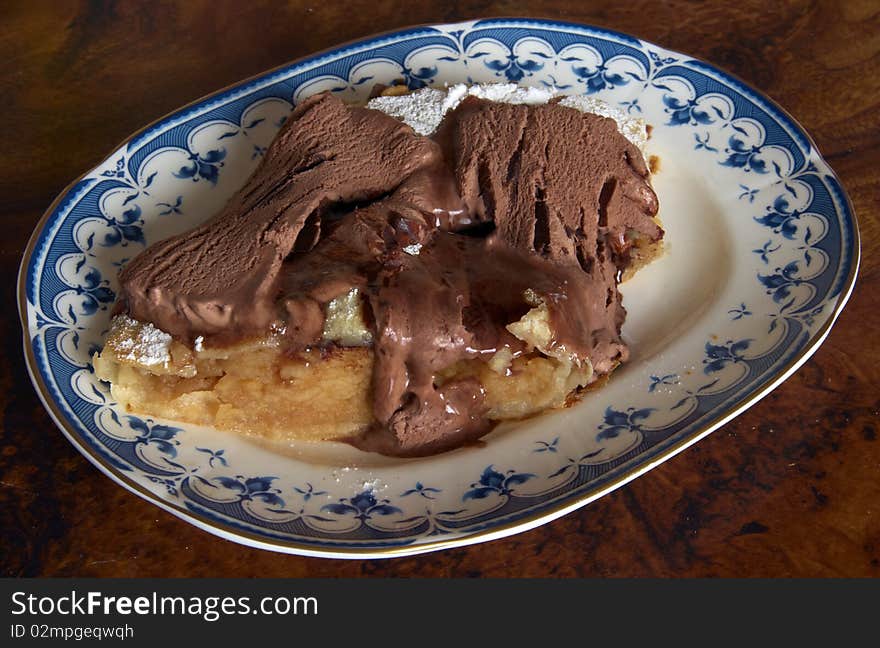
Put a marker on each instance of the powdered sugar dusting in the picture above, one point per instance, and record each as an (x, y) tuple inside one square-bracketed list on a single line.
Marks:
[(502, 93), (424, 109), (140, 342), (421, 110)]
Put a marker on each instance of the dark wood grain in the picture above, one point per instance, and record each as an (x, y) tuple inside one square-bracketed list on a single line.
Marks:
[(790, 488)]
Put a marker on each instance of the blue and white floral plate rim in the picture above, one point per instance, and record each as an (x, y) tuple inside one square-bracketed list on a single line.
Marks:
[(763, 254)]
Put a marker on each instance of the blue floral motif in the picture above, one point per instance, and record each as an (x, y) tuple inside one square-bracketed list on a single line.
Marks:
[(215, 455), (747, 193), (205, 166), (308, 492), (94, 290), (512, 67), (683, 112), (660, 62), (703, 143), (252, 488), (766, 250), (161, 437), (492, 481), (616, 421), (631, 105), (128, 228), (168, 208), (170, 483), (781, 218), (420, 77), (363, 505), (657, 381), (719, 356), (546, 446), (780, 283), (739, 312), (743, 156), (596, 79), (422, 490), (118, 172)]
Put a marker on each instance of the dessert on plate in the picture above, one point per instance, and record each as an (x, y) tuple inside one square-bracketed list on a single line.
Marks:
[(399, 276)]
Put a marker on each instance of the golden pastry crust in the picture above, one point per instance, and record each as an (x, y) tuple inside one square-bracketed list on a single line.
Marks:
[(257, 390)]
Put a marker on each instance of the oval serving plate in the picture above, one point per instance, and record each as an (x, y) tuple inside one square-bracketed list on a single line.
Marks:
[(762, 254)]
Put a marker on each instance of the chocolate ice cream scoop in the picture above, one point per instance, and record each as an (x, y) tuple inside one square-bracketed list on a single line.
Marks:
[(447, 240)]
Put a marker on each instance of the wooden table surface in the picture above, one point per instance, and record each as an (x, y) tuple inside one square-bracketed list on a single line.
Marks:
[(790, 488)]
